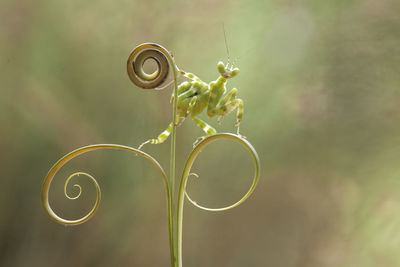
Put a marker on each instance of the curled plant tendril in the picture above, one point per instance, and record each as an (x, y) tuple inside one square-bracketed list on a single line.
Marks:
[(49, 178), (77, 185), (254, 155), (139, 56), (186, 173)]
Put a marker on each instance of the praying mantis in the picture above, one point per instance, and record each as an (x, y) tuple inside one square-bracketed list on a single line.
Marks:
[(193, 96)]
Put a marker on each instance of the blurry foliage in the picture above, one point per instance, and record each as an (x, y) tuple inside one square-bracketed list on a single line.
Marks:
[(320, 83)]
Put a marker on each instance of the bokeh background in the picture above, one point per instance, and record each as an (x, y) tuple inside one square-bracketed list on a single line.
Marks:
[(320, 82)]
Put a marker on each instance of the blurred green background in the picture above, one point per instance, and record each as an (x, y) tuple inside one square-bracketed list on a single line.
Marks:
[(320, 82)]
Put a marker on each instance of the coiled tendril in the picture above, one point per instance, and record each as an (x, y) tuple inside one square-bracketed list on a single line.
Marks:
[(186, 173), (139, 56), (78, 186), (201, 146), (53, 171)]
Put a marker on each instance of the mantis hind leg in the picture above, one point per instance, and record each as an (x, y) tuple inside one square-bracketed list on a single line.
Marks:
[(161, 138), (205, 127)]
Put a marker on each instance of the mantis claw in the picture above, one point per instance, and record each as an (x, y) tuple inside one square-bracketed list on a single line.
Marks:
[(238, 123), (237, 132), (140, 147), (198, 140), (219, 120)]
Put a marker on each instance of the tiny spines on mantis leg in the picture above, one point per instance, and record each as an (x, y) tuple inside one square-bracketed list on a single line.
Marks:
[(194, 96)]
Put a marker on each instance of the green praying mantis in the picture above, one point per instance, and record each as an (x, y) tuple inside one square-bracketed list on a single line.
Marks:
[(193, 96)]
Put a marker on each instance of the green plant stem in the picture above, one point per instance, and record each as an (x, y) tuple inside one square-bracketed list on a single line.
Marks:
[(172, 163)]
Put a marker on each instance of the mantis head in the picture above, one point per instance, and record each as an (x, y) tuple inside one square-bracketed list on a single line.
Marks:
[(226, 71)]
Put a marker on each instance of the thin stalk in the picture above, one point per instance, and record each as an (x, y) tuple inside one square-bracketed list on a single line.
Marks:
[(172, 164), (173, 135)]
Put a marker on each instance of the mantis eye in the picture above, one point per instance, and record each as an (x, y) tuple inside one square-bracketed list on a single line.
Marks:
[(234, 72), (221, 68)]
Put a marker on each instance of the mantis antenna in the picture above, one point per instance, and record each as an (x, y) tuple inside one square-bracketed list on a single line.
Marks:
[(226, 43), (227, 48)]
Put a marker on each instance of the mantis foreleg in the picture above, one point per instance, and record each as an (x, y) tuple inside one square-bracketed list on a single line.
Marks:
[(231, 105), (226, 105), (206, 128)]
